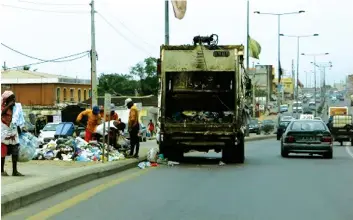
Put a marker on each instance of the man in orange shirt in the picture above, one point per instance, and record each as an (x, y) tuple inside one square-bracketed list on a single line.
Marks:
[(134, 127), (113, 114), (94, 119)]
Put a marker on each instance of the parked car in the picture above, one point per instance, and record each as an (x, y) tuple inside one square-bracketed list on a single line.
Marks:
[(254, 126), (47, 133), (307, 136)]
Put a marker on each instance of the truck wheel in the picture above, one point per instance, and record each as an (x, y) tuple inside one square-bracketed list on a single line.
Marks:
[(234, 154), (352, 142), (174, 154)]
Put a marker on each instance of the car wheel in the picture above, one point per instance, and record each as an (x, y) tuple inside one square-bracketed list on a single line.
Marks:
[(278, 138), (328, 155), (284, 153), (341, 143)]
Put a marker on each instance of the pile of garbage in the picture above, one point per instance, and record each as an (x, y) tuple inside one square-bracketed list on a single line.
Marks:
[(201, 116), (154, 159), (77, 149)]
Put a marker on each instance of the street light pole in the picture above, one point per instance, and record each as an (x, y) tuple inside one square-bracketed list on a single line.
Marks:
[(315, 55), (298, 53), (279, 47)]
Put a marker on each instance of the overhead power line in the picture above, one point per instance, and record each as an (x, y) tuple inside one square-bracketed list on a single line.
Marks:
[(48, 11), (54, 4), (54, 60), (43, 60), (122, 35)]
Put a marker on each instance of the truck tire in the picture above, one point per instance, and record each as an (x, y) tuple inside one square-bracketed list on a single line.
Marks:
[(171, 153), (234, 154)]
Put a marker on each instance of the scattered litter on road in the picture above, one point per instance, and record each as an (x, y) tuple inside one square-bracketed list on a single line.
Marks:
[(221, 163), (172, 163), (144, 165)]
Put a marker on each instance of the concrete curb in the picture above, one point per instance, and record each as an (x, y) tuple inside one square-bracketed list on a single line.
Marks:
[(17, 200)]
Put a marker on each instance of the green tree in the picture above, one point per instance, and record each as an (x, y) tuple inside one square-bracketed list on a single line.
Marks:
[(117, 84), (146, 72), (26, 68)]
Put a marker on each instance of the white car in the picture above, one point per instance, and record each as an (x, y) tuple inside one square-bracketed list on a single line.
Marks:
[(47, 133), (333, 98)]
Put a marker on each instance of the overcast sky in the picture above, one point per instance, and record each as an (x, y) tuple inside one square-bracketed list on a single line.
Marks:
[(49, 35)]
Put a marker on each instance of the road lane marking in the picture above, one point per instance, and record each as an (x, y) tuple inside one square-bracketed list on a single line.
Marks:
[(56, 209)]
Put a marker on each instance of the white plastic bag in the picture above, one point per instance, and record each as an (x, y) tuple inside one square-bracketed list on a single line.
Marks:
[(100, 129), (28, 146), (152, 155), (123, 142)]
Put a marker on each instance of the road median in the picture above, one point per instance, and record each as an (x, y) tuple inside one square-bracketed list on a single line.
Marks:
[(23, 191)]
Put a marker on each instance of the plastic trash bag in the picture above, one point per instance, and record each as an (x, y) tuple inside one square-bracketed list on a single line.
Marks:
[(123, 142), (100, 129), (28, 146), (152, 155)]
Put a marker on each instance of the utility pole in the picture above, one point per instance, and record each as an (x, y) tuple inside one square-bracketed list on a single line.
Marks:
[(4, 67), (94, 88), (166, 22)]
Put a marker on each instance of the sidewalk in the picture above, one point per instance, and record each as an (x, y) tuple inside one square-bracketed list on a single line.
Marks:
[(44, 178)]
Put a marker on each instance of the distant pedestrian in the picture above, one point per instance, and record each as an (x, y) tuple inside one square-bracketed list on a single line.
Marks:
[(134, 127), (151, 128), (94, 119), (9, 133)]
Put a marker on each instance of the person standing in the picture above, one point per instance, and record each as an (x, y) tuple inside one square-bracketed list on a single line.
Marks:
[(134, 127), (9, 133), (151, 128), (94, 119)]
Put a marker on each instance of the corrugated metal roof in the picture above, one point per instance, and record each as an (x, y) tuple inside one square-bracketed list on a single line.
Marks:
[(13, 74), (25, 77)]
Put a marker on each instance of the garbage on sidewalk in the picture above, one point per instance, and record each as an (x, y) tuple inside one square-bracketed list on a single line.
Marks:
[(76, 149), (28, 145)]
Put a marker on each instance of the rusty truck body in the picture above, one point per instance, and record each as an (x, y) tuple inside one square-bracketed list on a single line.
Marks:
[(202, 100)]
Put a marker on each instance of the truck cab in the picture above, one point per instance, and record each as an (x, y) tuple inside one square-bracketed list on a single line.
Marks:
[(201, 107)]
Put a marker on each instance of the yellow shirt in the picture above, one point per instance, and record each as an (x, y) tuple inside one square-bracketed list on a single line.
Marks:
[(93, 120)]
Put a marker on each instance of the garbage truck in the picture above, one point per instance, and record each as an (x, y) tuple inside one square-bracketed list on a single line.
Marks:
[(340, 124), (201, 105)]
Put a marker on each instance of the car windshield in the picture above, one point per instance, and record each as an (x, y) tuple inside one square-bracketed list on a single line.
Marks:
[(50, 127), (308, 126), (297, 105)]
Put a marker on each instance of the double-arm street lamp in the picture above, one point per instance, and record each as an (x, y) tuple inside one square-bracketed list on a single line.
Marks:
[(314, 55), (279, 44), (323, 67), (298, 52)]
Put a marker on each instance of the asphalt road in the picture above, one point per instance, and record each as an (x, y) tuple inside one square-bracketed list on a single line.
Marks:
[(266, 187)]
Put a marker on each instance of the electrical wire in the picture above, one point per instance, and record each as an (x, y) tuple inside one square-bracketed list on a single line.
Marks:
[(122, 35), (49, 11), (35, 58), (44, 3), (134, 33), (69, 60)]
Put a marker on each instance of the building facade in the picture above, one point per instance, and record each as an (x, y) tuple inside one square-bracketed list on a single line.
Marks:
[(42, 89)]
